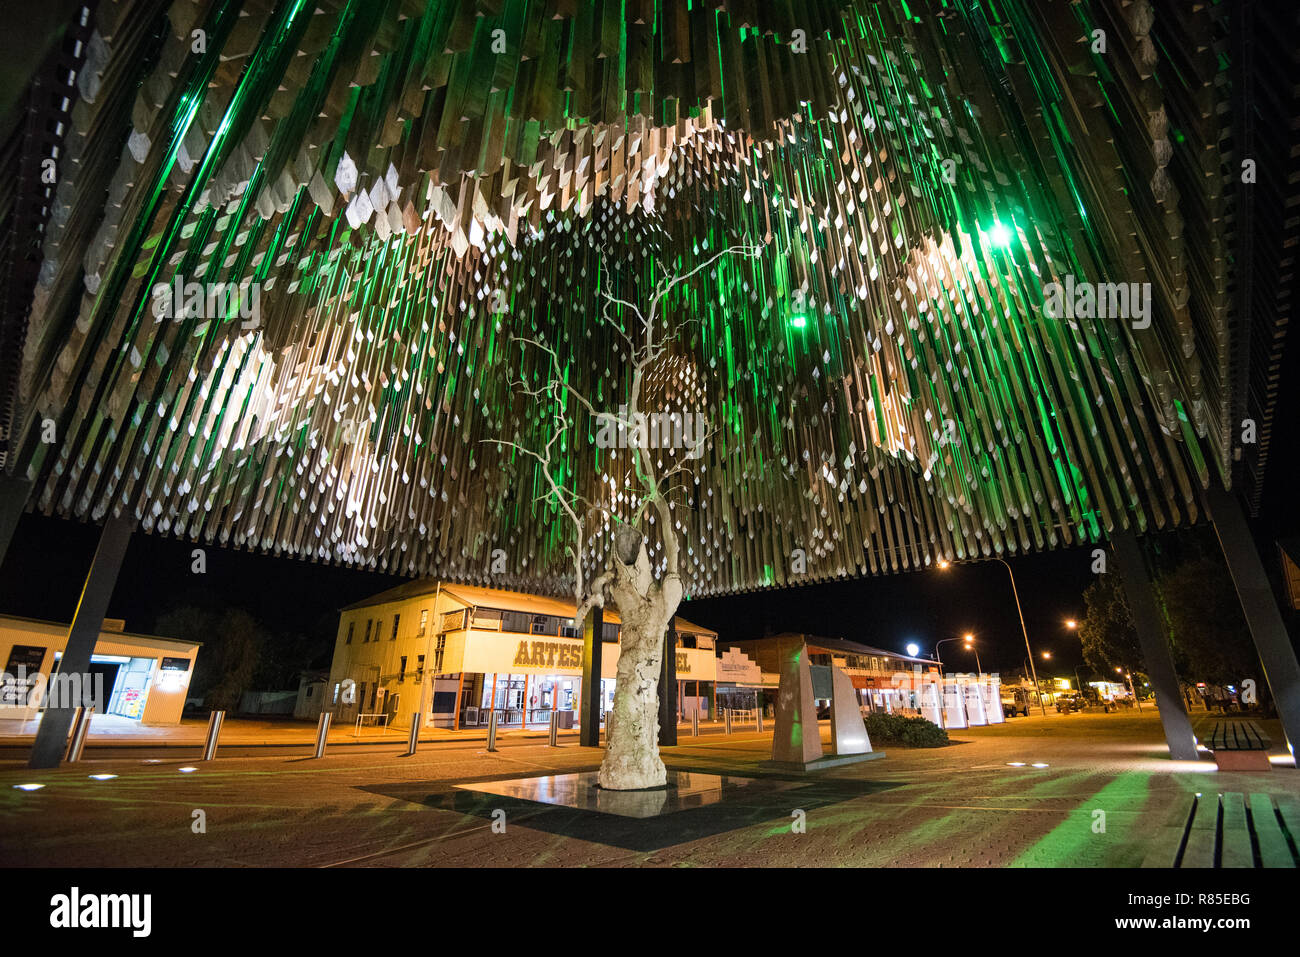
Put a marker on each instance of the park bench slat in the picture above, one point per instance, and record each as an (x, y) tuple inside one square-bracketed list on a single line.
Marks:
[(1289, 808), (1167, 839), (1238, 736), (1199, 851), (1273, 849), (1235, 845)]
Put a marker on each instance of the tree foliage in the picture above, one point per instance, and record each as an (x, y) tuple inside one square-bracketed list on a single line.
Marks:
[(232, 644), (1106, 631), (1207, 625)]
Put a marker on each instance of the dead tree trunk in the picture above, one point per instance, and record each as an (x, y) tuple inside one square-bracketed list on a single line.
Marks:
[(645, 607)]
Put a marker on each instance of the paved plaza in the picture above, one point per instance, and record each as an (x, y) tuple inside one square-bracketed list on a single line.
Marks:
[(369, 805)]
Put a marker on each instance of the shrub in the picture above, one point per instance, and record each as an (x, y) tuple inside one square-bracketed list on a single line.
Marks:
[(909, 732)]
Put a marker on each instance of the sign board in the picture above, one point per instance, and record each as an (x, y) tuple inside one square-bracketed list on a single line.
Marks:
[(24, 661), (174, 664), (736, 667), (821, 681)]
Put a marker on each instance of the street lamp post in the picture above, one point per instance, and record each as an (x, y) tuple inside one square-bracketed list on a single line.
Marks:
[(937, 655), (1128, 677), (1023, 630)]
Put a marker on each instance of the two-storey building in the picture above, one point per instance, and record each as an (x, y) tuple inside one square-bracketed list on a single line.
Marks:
[(466, 651)]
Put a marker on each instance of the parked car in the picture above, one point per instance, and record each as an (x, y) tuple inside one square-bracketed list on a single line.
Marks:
[(1015, 701), (1069, 702)]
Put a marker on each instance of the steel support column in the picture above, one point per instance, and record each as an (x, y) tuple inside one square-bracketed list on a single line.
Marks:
[(1267, 629), (52, 733), (13, 496), (668, 690), (589, 703), (1155, 647)]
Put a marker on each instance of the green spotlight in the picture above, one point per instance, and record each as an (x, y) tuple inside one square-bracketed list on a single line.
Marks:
[(1000, 235), (799, 320)]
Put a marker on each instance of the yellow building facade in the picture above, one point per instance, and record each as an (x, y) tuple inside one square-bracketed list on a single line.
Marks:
[(461, 652)]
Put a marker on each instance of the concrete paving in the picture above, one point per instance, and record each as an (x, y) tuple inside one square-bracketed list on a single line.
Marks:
[(963, 805)]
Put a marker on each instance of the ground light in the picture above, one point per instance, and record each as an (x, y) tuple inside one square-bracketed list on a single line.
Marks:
[(1015, 764), (186, 770), (28, 787), (102, 777), (1040, 764)]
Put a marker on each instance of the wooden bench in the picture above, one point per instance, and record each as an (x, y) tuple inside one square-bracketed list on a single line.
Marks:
[(1239, 745), (1226, 830)]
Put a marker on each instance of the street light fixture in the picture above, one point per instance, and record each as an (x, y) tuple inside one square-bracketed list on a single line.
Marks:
[(937, 656), (969, 639), (944, 563)]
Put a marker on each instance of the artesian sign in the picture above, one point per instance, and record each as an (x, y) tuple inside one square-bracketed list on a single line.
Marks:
[(548, 654), (488, 653)]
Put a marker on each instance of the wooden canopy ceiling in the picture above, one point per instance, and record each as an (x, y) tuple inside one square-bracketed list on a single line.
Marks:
[(407, 185)]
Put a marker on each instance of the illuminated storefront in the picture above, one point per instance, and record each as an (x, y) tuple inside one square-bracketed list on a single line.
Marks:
[(140, 677), (469, 651), (884, 680)]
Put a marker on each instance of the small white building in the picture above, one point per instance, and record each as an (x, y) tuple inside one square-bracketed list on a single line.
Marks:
[(141, 677), (311, 694)]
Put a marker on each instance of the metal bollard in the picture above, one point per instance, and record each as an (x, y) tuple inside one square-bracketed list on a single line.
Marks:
[(492, 730), (555, 729), (609, 726), (214, 731), (726, 720), (758, 720), (413, 744), (80, 727), (77, 714), (695, 723), (322, 731)]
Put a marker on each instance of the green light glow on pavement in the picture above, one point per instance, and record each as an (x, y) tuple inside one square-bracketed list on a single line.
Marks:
[(1077, 840)]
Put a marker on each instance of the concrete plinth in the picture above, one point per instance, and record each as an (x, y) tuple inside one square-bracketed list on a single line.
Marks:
[(821, 764)]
